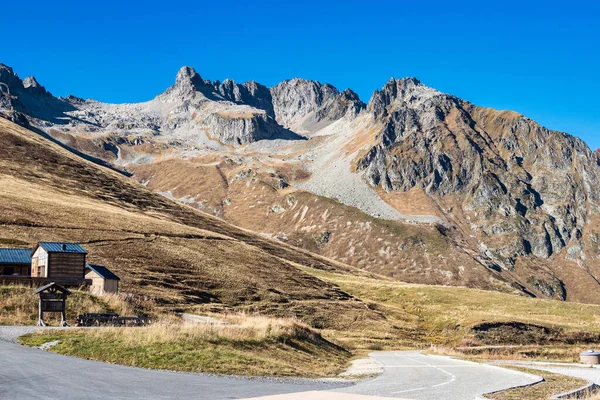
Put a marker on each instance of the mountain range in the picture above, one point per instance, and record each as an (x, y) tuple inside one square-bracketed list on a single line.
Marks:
[(416, 185)]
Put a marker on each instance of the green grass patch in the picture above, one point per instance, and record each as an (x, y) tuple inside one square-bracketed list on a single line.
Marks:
[(252, 347)]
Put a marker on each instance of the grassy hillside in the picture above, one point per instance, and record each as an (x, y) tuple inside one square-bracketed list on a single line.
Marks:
[(469, 321), (171, 253), (250, 194)]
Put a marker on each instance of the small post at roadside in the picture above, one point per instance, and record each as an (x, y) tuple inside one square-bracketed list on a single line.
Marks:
[(52, 298)]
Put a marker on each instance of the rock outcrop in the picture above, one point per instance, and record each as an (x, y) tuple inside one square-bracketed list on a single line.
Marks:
[(225, 112), (529, 190), (307, 106), (28, 97)]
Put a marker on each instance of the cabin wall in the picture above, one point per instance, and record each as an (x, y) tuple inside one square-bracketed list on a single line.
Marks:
[(97, 286), (39, 263), (111, 286), (100, 285), (66, 265)]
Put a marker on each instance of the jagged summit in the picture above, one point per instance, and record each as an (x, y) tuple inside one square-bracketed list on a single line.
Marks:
[(408, 92), (30, 81), (186, 74), (187, 83)]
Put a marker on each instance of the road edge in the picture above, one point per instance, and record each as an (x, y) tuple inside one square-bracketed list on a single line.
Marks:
[(590, 387)]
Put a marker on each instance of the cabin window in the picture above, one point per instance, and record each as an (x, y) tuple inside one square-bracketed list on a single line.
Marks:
[(9, 270)]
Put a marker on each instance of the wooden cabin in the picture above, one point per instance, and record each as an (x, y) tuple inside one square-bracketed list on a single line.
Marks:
[(103, 280), (58, 260), (15, 262)]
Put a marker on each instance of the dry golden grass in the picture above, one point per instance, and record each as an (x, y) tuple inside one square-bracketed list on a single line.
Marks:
[(255, 345), (240, 327), (552, 353), (413, 202), (552, 385), (168, 252), (19, 306), (446, 316)]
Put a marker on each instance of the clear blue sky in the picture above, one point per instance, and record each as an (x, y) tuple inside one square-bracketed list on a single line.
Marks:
[(540, 58)]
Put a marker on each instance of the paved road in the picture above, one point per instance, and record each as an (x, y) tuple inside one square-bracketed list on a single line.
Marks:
[(410, 374), (590, 374), (582, 371), (27, 373)]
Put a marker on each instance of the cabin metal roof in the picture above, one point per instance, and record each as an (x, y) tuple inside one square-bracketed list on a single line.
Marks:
[(15, 256), (62, 247), (103, 271)]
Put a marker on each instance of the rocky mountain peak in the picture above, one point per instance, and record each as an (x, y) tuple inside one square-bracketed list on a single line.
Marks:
[(349, 94), (5, 71), (250, 93), (188, 80), (9, 78), (33, 87), (407, 92), (189, 84), (186, 74), (31, 82)]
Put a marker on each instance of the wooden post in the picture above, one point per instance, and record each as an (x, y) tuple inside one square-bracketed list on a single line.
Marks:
[(40, 314), (63, 317)]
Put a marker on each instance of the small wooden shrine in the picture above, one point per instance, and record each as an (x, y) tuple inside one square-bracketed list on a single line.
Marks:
[(53, 298)]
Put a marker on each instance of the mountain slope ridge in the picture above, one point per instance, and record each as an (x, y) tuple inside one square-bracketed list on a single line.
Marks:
[(515, 196)]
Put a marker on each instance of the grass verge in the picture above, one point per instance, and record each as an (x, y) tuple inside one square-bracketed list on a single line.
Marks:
[(552, 385), (251, 345)]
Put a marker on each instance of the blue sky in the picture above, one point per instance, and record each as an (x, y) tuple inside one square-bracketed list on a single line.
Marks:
[(540, 58)]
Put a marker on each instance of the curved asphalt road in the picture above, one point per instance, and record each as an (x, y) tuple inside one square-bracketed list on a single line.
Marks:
[(412, 375), (27, 373)]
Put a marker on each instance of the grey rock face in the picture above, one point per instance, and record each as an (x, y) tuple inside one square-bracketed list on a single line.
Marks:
[(226, 112), (10, 87), (29, 97), (299, 104), (250, 93), (514, 178), (241, 130), (306, 105)]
